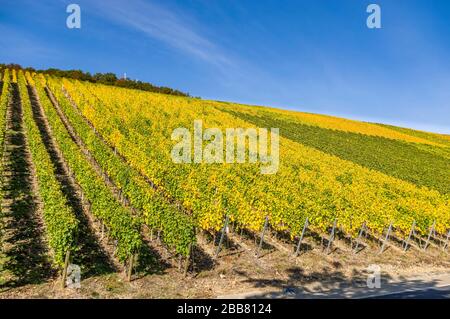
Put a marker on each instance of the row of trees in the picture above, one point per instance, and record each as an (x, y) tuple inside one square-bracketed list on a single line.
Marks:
[(103, 78)]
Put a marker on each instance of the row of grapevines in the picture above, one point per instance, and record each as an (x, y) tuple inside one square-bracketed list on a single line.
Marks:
[(14, 76), (122, 226), (208, 207), (209, 203), (406, 161), (60, 220), (309, 183), (4, 99), (177, 228), (442, 139), (338, 124), (243, 215)]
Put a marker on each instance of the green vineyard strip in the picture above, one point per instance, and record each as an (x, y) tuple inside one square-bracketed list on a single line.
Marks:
[(434, 137), (392, 157), (177, 228), (60, 220), (122, 226)]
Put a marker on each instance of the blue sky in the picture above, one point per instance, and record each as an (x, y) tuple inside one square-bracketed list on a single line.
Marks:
[(309, 55)]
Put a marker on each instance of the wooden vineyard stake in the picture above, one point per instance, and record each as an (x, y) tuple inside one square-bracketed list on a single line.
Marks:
[(66, 264), (446, 241), (222, 235), (115, 246), (192, 257), (103, 229), (186, 266), (358, 240), (130, 268), (305, 226), (411, 232), (386, 239), (262, 237), (432, 231), (330, 241)]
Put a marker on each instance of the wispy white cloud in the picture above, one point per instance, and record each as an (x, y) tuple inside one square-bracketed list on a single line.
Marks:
[(158, 22), (183, 32)]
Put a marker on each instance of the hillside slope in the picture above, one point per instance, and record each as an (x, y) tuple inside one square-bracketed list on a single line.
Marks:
[(89, 178), (330, 168)]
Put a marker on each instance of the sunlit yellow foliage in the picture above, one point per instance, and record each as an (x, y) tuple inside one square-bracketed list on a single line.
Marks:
[(308, 183), (29, 79), (14, 76), (334, 123)]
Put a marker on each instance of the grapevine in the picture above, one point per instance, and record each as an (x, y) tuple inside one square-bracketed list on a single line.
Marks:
[(122, 226), (60, 220), (310, 183), (176, 227)]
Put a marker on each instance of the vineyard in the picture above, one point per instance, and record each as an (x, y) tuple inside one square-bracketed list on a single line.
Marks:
[(101, 177)]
